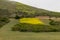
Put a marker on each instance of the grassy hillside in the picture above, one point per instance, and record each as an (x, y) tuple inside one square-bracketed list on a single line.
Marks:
[(14, 30), (11, 8), (6, 8), (32, 11)]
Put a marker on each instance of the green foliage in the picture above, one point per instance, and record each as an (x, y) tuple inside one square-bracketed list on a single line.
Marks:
[(26, 11), (17, 17), (15, 28), (3, 21), (32, 11), (35, 28), (52, 22)]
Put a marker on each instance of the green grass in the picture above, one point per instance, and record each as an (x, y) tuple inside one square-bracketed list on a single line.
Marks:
[(30, 36)]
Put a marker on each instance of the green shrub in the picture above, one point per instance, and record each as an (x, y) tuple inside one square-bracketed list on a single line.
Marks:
[(52, 22), (15, 28), (17, 17), (3, 21), (35, 28)]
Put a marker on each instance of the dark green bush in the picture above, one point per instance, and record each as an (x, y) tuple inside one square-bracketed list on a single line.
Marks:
[(52, 22), (17, 17), (35, 28), (15, 28), (3, 21)]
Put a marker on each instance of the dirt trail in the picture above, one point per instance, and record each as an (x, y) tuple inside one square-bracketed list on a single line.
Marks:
[(8, 26)]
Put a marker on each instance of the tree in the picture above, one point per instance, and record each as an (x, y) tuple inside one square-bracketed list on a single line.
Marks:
[(17, 17)]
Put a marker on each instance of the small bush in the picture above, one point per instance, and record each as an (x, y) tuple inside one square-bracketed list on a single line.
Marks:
[(54, 23), (3, 21), (17, 17)]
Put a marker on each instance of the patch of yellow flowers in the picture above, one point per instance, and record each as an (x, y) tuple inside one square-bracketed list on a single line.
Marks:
[(31, 21)]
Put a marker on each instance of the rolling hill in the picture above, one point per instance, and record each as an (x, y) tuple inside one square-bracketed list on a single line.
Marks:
[(12, 8), (33, 11)]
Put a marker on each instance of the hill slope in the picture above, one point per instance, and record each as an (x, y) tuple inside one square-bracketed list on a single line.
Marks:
[(35, 11), (11, 8)]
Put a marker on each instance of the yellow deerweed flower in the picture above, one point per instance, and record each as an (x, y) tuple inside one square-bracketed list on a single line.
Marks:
[(31, 21)]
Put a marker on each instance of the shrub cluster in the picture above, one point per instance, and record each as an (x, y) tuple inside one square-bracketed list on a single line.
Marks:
[(54, 23), (34, 28), (3, 21)]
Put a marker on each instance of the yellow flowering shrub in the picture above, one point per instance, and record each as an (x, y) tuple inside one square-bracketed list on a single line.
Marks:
[(31, 21)]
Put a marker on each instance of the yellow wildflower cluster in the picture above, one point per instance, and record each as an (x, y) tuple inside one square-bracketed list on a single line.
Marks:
[(31, 21)]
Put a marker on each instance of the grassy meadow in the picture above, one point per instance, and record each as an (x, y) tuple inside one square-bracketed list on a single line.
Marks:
[(30, 36)]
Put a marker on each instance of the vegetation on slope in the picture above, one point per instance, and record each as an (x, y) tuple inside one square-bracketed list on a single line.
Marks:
[(32, 11), (32, 25), (12, 8), (23, 27), (3, 21)]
